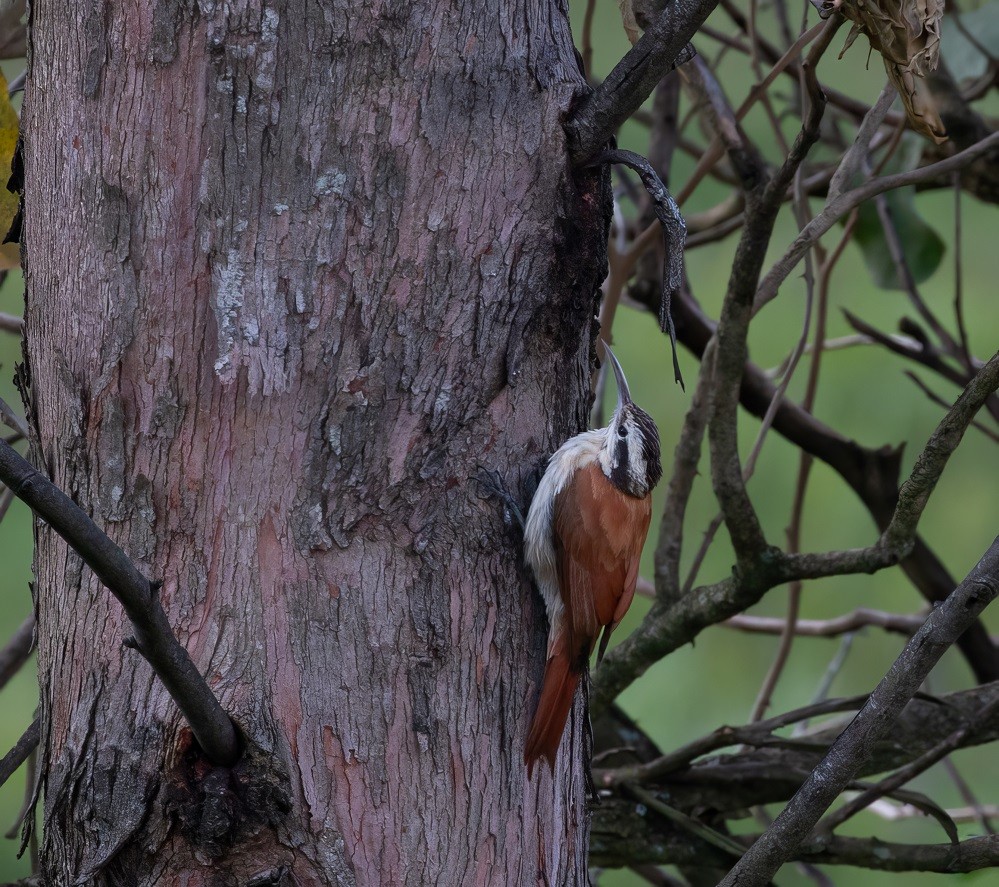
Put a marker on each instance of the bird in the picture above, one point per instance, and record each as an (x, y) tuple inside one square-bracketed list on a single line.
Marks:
[(583, 540)]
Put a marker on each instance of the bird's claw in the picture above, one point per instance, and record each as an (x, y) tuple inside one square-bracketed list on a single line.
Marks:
[(491, 486)]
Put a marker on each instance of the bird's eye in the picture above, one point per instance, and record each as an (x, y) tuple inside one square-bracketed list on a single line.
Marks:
[(622, 431)]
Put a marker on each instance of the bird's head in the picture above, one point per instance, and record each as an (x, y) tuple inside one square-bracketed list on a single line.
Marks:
[(630, 454)]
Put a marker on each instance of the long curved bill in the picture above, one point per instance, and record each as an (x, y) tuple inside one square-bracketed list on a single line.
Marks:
[(623, 393)]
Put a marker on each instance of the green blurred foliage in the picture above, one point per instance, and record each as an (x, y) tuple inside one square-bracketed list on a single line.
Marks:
[(20, 696), (863, 394)]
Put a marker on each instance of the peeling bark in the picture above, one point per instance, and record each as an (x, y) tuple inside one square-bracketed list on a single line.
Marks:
[(293, 272)]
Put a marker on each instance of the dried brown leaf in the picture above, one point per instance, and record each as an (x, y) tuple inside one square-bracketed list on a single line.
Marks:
[(629, 21), (906, 33)]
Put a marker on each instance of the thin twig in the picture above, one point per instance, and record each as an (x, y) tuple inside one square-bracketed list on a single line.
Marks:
[(655, 876), (664, 43), (939, 401), (849, 166), (687, 823), (6, 497), (962, 331), (9, 323), (587, 53), (915, 492), (19, 753), (17, 650), (713, 235), (838, 207), (686, 459), (856, 743), (30, 772), (805, 461), (666, 628), (10, 418), (154, 638), (904, 774), (832, 671), (757, 735), (897, 253), (848, 623), (975, 811), (714, 151)]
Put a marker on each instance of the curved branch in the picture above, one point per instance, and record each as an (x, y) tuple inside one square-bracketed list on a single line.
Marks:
[(154, 638), (856, 743), (598, 116), (667, 627), (827, 628), (838, 207), (624, 836), (871, 473), (770, 773)]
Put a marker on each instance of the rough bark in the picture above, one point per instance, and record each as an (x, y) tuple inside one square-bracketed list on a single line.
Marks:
[(293, 271)]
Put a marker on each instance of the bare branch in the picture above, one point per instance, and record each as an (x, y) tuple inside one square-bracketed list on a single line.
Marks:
[(687, 823), (933, 397), (853, 159), (871, 473), (972, 855), (757, 735), (915, 492), (838, 207), (622, 836), (154, 638), (19, 753), (17, 650), (919, 351), (855, 745), (681, 483), (662, 46), (11, 419), (830, 628), (6, 498), (905, 774), (893, 812), (667, 627), (9, 323), (761, 774), (712, 154)]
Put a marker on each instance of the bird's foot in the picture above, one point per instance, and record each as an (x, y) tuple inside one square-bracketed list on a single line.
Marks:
[(491, 486)]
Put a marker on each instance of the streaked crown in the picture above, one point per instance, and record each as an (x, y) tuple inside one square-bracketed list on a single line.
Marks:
[(631, 456)]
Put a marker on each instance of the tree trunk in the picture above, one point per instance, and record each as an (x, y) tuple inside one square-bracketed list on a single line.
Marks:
[(293, 272)]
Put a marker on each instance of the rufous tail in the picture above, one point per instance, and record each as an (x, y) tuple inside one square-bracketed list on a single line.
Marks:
[(557, 692)]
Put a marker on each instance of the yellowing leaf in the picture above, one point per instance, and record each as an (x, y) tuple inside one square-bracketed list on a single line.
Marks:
[(9, 126), (629, 21)]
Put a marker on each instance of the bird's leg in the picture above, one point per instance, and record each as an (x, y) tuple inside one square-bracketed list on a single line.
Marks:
[(492, 486)]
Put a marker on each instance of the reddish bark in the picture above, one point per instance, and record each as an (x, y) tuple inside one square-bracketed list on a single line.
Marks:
[(292, 273)]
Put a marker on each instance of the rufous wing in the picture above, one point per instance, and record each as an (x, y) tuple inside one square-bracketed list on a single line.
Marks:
[(598, 537), (599, 534)]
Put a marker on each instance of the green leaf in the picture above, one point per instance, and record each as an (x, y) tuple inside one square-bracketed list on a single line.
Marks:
[(921, 245)]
